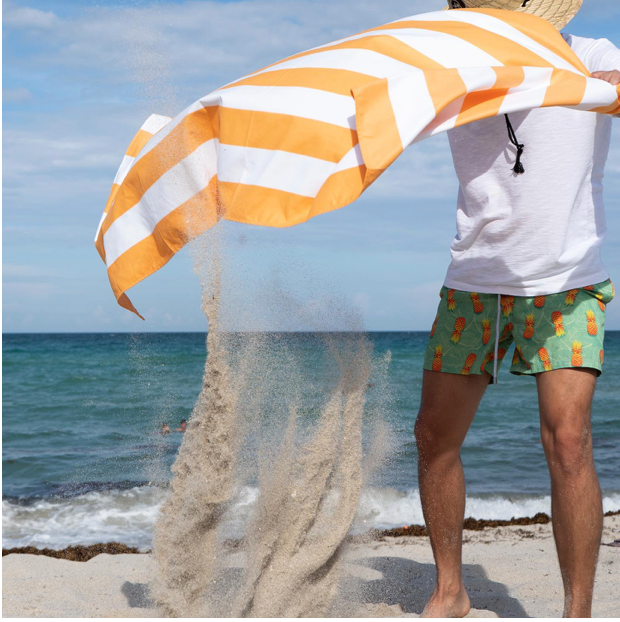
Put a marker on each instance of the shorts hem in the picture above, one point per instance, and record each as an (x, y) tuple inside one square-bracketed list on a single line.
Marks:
[(473, 372), (536, 369)]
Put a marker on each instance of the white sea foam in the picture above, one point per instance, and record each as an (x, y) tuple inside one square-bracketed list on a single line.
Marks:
[(128, 516)]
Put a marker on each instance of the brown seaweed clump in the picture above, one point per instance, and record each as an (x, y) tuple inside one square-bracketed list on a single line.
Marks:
[(474, 524), (77, 553)]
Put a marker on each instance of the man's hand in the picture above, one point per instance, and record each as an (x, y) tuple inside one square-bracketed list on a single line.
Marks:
[(613, 77)]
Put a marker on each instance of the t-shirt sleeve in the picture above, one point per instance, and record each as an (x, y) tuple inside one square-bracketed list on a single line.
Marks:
[(595, 54)]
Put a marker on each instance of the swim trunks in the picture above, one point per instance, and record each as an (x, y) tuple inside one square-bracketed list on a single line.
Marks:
[(473, 332)]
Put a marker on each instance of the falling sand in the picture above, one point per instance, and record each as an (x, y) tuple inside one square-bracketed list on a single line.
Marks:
[(309, 476)]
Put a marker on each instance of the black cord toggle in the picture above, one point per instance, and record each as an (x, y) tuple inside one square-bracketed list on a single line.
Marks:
[(518, 168)]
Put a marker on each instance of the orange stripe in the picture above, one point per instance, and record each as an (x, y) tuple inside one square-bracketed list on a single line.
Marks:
[(482, 104), (139, 140), (614, 109), (539, 30), (257, 205), (339, 81), (340, 189), (196, 129), (565, 88), (99, 240), (170, 234), (444, 86), (268, 130), (504, 50), (377, 130)]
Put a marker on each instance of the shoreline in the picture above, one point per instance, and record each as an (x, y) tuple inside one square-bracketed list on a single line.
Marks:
[(84, 553), (382, 577)]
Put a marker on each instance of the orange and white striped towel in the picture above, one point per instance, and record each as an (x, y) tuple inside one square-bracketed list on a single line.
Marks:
[(310, 133)]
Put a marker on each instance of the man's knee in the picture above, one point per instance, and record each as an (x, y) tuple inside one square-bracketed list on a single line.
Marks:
[(568, 448), (432, 438)]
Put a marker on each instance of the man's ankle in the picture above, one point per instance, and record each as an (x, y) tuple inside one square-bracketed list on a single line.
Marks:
[(449, 587)]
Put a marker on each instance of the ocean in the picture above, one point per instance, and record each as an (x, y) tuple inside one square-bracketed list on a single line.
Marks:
[(83, 460)]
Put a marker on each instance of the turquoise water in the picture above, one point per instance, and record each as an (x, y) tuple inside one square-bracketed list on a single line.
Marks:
[(83, 461)]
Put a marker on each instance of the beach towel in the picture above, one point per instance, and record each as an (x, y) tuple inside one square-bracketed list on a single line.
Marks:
[(310, 133)]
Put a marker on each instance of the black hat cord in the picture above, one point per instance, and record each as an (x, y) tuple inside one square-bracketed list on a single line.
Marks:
[(518, 167)]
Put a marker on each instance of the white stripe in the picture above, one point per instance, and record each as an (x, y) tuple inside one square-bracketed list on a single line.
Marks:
[(363, 61), (123, 169), (171, 190), (530, 93), (103, 217), (598, 94), (155, 123), (293, 100), (278, 170), (412, 105), (499, 27), (448, 50), (166, 129), (352, 159)]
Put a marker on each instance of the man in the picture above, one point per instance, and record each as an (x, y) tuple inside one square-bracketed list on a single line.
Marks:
[(182, 426), (526, 267)]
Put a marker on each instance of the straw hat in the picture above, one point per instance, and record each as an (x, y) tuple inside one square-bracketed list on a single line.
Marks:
[(558, 12)]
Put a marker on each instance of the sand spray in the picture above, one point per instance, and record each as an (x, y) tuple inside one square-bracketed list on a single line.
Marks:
[(185, 541), (262, 418)]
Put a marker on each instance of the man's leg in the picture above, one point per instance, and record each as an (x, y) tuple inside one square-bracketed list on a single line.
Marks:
[(565, 399), (449, 403)]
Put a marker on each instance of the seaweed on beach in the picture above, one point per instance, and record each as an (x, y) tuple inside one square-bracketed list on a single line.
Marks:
[(77, 553)]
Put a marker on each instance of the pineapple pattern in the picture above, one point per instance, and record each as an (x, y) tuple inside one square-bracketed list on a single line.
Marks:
[(508, 303), (486, 331), (570, 297), (553, 331), (528, 333), (437, 363), (478, 306), (557, 319), (459, 327), (543, 355), (469, 363), (450, 300)]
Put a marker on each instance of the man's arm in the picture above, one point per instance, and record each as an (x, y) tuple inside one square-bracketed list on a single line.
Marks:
[(600, 56)]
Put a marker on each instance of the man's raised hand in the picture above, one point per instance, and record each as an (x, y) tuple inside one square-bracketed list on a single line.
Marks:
[(613, 77)]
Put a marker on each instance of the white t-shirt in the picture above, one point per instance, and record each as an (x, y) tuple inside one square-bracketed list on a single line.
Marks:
[(541, 232)]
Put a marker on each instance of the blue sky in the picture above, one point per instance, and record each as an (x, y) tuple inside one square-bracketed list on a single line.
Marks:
[(80, 78)]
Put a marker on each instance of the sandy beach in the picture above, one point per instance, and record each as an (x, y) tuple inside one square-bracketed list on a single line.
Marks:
[(509, 572)]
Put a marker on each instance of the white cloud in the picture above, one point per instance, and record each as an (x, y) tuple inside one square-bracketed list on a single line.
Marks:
[(17, 95), (22, 272), (27, 18)]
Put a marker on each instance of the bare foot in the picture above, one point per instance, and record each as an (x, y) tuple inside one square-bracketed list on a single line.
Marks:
[(447, 605)]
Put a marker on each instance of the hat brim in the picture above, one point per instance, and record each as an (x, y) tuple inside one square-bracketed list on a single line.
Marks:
[(557, 12)]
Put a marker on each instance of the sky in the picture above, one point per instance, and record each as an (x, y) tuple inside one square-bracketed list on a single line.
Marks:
[(79, 79)]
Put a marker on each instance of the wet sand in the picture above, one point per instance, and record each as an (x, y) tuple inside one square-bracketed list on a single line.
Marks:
[(509, 572)]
